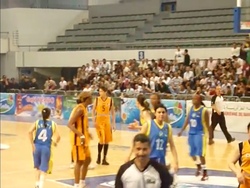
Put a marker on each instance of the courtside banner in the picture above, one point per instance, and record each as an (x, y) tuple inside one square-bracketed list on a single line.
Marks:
[(176, 111), (237, 114), (7, 103), (32, 104)]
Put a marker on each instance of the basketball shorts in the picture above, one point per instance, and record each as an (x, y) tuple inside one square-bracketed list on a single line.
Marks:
[(41, 158), (160, 160), (80, 153), (104, 132), (197, 145)]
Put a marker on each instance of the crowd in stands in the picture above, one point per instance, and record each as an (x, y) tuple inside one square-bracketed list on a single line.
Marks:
[(182, 75)]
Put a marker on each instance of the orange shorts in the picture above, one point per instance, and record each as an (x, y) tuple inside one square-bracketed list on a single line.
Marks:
[(80, 153), (104, 132), (246, 184)]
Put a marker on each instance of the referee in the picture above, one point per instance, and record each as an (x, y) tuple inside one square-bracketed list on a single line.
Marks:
[(218, 117), (142, 172)]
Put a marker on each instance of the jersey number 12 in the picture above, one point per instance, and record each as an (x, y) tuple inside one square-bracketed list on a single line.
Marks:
[(159, 144), (43, 135)]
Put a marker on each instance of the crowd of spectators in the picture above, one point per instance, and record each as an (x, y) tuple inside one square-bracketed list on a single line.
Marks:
[(182, 75)]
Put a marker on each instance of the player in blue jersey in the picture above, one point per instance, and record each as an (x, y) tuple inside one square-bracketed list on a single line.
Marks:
[(160, 134), (198, 121), (43, 135)]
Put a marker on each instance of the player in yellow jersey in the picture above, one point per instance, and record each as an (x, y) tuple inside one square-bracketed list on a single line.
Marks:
[(242, 154), (80, 138), (103, 111)]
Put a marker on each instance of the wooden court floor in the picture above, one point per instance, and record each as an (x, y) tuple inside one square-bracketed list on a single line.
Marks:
[(17, 166)]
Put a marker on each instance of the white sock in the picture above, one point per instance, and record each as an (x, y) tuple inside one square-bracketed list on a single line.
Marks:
[(37, 183), (76, 185), (82, 182), (204, 167), (41, 181)]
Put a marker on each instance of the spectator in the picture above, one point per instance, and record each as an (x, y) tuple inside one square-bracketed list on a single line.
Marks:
[(62, 84)]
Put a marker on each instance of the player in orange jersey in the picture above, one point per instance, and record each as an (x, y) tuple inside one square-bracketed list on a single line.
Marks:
[(80, 138), (103, 110), (242, 154)]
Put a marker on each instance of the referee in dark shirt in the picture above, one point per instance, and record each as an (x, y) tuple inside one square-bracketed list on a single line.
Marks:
[(218, 117), (142, 172)]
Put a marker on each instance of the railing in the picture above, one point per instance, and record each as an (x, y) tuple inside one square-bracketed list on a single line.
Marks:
[(121, 95), (135, 45)]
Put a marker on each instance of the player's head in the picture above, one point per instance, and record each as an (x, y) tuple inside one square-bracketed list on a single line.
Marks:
[(197, 100), (142, 102), (141, 146), (218, 90), (160, 112), (45, 115), (155, 99), (103, 91), (85, 98)]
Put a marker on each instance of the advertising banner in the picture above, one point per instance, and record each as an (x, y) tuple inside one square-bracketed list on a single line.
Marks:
[(237, 115), (69, 102), (7, 103), (176, 111), (32, 105)]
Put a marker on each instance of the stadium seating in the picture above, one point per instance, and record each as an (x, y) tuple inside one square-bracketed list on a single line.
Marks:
[(186, 28)]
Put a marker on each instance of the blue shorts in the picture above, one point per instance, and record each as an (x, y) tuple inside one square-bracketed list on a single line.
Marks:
[(160, 160), (41, 158), (197, 144)]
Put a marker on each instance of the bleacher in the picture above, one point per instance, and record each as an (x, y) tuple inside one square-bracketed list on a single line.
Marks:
[(199, 28)]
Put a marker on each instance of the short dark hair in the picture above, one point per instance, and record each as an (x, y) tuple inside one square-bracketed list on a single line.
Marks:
[(141, 138), (248, 127), (161, 106)]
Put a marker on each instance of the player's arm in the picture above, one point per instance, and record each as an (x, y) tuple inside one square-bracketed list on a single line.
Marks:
[(56, 134), (94, 110), (173, 150), (185, 125), (78, 113), (31, 131), (112, 110), (206, 118)]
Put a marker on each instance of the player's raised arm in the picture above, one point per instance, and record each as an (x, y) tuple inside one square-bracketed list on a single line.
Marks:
[(72, 120)]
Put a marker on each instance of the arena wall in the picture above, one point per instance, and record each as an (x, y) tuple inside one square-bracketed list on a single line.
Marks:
[(39, 26), (185, 5), (78, 58), (101, 2), (4, 45)]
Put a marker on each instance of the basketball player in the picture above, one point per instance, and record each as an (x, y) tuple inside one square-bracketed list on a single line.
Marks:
[(160, 134), (45, 131), (198, 120), (80, 137), (103, 108), (242, 155)]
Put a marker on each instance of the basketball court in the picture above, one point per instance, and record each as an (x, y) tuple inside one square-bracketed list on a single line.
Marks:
[(17, 166)]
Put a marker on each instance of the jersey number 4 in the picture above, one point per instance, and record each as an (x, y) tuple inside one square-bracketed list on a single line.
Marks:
[(43, 135), (159, 144)]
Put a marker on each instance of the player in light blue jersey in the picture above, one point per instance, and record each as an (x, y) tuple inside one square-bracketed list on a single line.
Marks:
[(198, 121), (43, 136), (160, 134)]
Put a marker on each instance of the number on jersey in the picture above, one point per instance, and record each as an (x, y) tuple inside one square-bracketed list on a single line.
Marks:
[(159, 144), (43, 135), (193, 122)]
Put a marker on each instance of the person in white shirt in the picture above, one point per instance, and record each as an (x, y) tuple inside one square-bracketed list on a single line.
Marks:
[(235, 50), (188, 75), (179, 55), (211, 64), (238, 64), (62, 84)]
